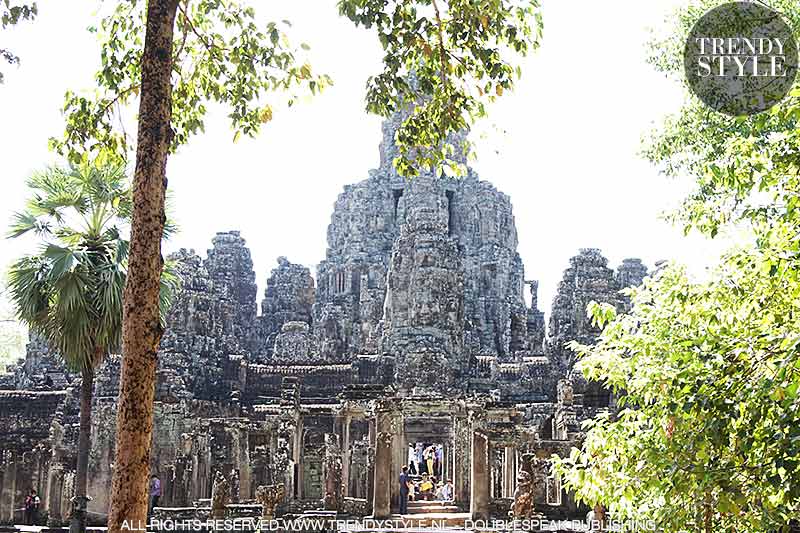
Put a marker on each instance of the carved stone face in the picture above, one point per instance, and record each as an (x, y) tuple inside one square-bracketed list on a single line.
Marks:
[(426, 310)]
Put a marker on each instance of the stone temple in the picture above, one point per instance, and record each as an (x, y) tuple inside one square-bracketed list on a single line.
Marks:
[(415, 329)]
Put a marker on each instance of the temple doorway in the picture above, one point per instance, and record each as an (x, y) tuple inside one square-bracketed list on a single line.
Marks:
[(428, 452)]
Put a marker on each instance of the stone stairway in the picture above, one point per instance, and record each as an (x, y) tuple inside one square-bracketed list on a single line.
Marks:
[(431, 507), (434, 515)]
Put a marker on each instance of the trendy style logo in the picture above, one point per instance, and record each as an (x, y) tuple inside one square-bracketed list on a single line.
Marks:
[(741, 58)]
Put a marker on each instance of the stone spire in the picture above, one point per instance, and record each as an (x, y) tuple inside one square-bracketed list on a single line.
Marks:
[(230, 268), (535, 320), (587, 279), (630, 273), (288, 297), (364, 228)]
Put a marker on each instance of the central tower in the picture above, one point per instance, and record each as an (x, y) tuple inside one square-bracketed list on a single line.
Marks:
[(423, 314)]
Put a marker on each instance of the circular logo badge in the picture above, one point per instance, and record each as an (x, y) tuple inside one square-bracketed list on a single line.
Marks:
[(740, 58)]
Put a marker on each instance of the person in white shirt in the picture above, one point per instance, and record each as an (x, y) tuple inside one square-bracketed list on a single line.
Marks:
[(412, 460), (446, 493)]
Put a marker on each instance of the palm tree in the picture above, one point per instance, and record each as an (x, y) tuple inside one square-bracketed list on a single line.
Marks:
[(70, 292)]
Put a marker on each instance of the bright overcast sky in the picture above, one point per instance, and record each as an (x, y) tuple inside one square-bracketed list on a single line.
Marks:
[(563, 145)]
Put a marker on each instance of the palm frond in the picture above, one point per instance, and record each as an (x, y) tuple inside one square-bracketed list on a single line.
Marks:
[(29, 290), (55, 191), (62, 259), (73, 318), (24, 222), (170, 224), (108, 301), (123, 247)]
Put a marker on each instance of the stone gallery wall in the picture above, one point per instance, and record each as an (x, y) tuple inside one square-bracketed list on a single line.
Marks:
[(37, 448)]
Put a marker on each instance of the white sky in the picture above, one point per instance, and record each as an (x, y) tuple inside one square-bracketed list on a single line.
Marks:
[(567, 154)]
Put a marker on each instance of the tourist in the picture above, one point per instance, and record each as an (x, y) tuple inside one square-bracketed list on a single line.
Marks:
[(447, 491), (429, 458), (28, 499), (32, 502), (404, 489), (420, 459), (155, 493), (412, 459), (439, 456), (426, 488)]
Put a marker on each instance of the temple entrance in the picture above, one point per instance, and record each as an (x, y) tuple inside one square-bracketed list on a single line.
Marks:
[(428, 453), (426, 457), (429, 445), (477, 457)]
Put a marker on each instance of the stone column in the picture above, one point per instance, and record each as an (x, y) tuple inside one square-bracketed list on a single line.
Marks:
[(332, 473), (461, 460), (509, 471), (342, 429), (381, 500), (479, 481), (195, 481), (346, 456), (179, 495), (243, 465), (445, 462), (9, 489), (55, 481), (371, 462), (399, 457), (297, 456)]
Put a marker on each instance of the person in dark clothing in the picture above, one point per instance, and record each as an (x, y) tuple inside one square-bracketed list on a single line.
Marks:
[(32, 502), (28, 501), (404, 482)]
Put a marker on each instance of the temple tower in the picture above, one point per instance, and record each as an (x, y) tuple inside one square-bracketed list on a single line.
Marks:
[(424, 308)]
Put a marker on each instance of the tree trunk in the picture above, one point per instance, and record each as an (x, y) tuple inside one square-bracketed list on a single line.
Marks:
[(707, 513), (600, 516), (78, 518), (141, 330)]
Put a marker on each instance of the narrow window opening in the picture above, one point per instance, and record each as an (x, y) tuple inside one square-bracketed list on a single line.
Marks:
[(450, 204)]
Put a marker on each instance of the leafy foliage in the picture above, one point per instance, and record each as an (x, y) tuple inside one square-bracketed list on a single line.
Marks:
[(708, 435), (221, 54), (443, 61), (12, 13), (743, 165), (709, 424), (70, 292)]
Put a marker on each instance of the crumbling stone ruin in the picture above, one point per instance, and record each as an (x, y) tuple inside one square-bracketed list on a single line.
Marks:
[(415, 329)]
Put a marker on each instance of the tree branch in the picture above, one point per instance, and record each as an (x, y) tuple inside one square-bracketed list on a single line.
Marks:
[(200, 36), (442, 53)]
